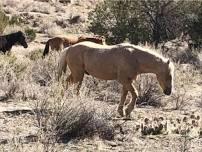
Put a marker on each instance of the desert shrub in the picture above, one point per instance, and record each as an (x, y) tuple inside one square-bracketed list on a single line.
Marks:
[(195, 25), (44, 71), (149, 92), (30, 33), (15, 20), (63, 119), (10, 62), (35, 55), (180, 99), (4, 20), (13, 28), (8, 77), (189, 56), (179, 51)]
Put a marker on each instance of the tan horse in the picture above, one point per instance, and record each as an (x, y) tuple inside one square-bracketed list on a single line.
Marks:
[(122, 62), (58, 43)]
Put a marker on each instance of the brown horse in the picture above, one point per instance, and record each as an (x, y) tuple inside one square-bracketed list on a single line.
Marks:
[(122, 62), (58, 43)]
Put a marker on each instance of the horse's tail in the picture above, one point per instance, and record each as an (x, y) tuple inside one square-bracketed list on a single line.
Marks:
[(46, 50), (62, 65)]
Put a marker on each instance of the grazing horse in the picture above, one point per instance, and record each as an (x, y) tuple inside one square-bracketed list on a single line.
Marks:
[(7, 41), (58, 43), (121, 62)]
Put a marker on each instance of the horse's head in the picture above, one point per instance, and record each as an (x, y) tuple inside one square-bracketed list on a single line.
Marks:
[(165, 77), (22, 39)]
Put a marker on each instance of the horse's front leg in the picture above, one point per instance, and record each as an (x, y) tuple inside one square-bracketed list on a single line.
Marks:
[(132, 103), (121, 103), (69, 80)]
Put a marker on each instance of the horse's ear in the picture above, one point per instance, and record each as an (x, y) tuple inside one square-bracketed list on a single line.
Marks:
[(168, 62), (19, 32)]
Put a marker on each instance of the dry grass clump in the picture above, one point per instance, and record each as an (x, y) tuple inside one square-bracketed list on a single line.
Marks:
[(35, 55), (11, 71), (189, 56), (61, 119), (11, 3), (13, 28), (45, 8), (101, 90), (185, 74), (180, 99), (51, 29), (3, 20), (44, 70), (149, 92)]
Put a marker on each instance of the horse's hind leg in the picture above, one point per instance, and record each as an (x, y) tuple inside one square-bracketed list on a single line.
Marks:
[(132, 103), (69, 80), (121, 103), (74, 78)]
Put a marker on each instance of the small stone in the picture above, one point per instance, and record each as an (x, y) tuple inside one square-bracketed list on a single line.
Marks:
[(137, 127), (161, 118), (184, 119), (197, 117), (178, 120), (156, 119), (146, 120), (192, 117)]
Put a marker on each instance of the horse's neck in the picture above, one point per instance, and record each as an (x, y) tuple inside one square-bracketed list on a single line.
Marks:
[(150, 64), (11, 39)]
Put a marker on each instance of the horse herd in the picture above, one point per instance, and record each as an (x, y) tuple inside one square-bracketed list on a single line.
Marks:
[(89, 55)]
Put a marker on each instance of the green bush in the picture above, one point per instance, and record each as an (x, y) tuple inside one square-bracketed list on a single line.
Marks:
[(117, 21), (139, 21), (15, 20), (35, 55), (195, 26), (3, 21), (30, 33)]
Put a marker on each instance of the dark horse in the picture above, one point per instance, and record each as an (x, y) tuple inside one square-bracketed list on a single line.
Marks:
[(7, 41)]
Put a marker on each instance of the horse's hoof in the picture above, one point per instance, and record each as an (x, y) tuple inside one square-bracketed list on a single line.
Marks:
[(120, 112), (119, 116), (127, 117), (127, 113)]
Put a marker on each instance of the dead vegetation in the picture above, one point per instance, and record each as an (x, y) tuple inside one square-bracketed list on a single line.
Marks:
[(149, 91)]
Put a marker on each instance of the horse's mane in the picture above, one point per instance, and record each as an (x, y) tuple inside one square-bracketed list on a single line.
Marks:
[(153, 52), (149, 50)]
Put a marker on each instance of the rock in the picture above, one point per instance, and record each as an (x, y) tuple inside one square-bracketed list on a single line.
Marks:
[(16, 110), (3, 141), (75, 19), (65, 1), (146, 120)]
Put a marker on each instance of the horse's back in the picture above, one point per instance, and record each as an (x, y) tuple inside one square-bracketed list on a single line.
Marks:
[(101, 61)]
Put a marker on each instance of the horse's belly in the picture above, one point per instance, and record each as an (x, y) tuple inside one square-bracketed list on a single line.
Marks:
[(102, 74)]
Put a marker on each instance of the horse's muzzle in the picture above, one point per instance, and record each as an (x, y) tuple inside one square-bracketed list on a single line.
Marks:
[(167, 91), (25, 46)]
